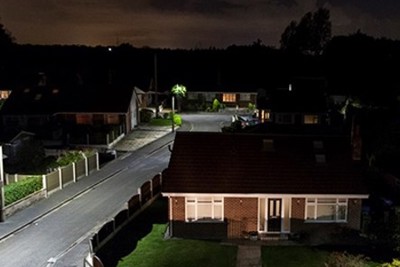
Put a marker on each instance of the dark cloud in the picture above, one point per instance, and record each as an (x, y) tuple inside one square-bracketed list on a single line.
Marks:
[(198, 6), (285, 3), (375, 8), (185, 23)]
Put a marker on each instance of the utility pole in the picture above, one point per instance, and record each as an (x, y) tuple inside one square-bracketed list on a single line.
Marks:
[(1, 186), (155, 84)]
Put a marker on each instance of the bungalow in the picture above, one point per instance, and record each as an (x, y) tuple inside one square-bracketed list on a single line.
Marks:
[(54, 113), (236, 99), (224, 185)]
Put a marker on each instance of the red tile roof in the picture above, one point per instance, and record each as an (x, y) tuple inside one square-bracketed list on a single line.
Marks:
[(203, 162)]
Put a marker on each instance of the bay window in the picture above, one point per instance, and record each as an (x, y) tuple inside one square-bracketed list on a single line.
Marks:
[(326, 209), (204, 208)]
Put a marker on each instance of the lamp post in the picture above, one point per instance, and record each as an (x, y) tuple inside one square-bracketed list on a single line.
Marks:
[(1, 186), (180, 91), (173, 113)]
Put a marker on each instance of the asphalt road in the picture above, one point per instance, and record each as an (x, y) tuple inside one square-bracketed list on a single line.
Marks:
[(61, 238)]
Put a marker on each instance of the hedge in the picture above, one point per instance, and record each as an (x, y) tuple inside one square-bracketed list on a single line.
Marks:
[(16, 191)]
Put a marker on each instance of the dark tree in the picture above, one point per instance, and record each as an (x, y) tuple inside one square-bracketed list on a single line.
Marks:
[(6, 38), (310, 35)]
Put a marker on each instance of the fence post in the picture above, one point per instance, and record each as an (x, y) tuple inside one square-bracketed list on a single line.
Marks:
[(151, 188), (60, 177), (44, 182), (74, 171), (97, 161), (139, 191), (86, 164)]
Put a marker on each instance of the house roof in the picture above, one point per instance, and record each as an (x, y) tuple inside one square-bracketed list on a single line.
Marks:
[(43, 100), (204, 162)]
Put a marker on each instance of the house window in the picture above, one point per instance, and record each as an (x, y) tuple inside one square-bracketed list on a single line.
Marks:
[(204, 209), (209, 97), (245, 97), (326, 209), (229, 98), (98, 119), (283, 118), (265, 115), (84, 119), (192, 95), (311, 119), (112, 119)]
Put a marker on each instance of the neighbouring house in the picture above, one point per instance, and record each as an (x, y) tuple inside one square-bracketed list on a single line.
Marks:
[(301, 102), (23, 152), (227, 185), (62, 116), (228, 98)]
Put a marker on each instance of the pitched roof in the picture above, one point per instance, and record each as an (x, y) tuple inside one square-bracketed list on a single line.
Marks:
[(43, 100), (240, 163)]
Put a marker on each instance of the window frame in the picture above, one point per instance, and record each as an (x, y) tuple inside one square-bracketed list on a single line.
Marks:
[(200, 201), (229, 97), (311, 119), (314, 203)]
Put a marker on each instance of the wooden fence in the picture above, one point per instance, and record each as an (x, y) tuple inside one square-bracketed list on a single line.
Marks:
[(54, 181), (147, 193)]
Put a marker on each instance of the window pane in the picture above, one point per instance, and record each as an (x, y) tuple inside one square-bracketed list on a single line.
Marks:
[(191, 215), (229, 97), (218, 212), (204, 211), (326, 212), (310, 119), (204, 200), (341, 213), (327, 200), (310, 212)]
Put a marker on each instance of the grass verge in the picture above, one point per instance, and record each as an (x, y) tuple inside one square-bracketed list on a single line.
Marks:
[(153, 250), (297, 256)]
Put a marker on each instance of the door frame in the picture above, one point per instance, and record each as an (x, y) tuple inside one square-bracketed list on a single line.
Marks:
[(276, 211)]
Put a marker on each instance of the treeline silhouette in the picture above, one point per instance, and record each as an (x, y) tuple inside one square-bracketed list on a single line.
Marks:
[(356, 64)]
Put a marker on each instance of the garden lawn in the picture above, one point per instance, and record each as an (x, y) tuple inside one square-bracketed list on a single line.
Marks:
[(153, 250), (296, 256)]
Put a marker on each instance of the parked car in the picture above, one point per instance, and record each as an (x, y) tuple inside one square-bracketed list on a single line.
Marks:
[(246, 120)]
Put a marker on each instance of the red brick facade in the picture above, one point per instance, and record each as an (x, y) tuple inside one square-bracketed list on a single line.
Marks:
[(241, 215)]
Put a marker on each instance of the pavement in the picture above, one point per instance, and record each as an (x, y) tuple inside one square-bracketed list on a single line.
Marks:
[(249, 256), (143, 135)]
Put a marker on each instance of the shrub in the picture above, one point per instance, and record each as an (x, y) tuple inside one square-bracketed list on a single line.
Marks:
[(344, 259), (216, 105), (251, 107), (177, 120), (69, 157), (16, 191), (146, 115), (395, 263)]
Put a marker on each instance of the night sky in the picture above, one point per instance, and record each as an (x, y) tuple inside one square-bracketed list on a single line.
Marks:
[(185, 23)]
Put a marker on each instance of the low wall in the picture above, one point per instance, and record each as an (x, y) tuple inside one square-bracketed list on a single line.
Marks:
[(23, 203)]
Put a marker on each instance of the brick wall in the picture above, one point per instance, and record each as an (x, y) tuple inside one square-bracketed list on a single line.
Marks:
[(241, 215), (178, 208), (354, 214)]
